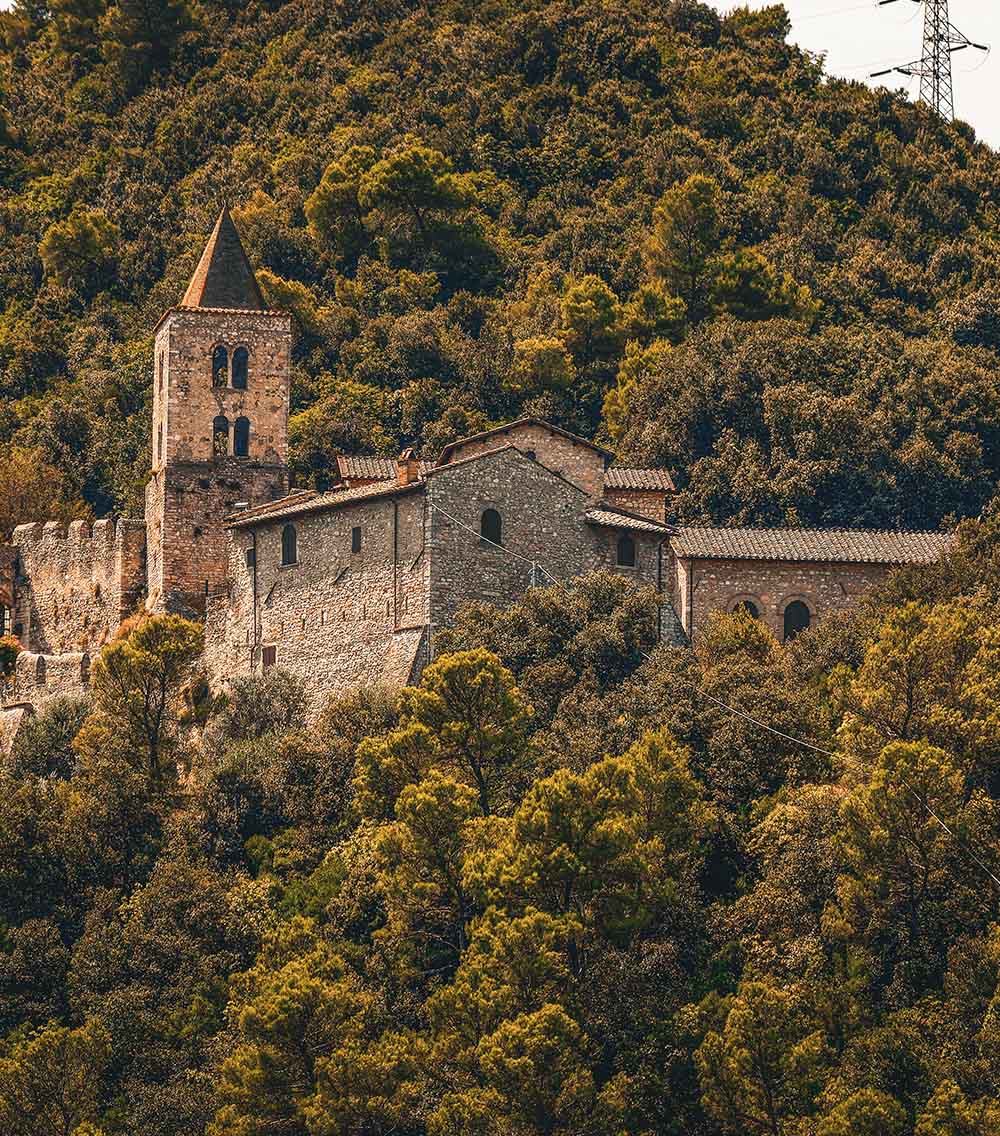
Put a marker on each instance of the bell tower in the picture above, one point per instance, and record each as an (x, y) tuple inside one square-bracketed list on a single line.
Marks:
[(222, 373)]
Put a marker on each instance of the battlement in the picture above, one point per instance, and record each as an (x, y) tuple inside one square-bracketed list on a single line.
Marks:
[(75, 582), (80, 535)]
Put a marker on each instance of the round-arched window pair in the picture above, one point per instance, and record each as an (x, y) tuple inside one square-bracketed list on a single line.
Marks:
[(220, 437), (221, 375)]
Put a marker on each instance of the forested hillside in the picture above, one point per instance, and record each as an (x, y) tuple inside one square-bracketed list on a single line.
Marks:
[(557, 889), (645, 222), (573, 883)]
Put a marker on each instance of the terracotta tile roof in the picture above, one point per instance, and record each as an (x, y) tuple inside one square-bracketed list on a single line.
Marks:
[(309, 501), (224, 277), (372, 467), (616, 519), (528, 421), (657, 479), (849, 546)]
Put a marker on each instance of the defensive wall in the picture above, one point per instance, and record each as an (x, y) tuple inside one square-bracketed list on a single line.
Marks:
[(75, 583)]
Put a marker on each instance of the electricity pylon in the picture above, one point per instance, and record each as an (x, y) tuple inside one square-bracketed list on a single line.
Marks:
[(941, 40)]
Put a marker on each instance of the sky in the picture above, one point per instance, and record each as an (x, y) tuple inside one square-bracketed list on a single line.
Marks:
[(859, 37)]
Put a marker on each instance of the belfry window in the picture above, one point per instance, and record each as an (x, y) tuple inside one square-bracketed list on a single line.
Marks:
[(289, 545), (626, 552), (491, 527), (241, 366), (220, 436), (241, 438), (797, 619), (220, 367)]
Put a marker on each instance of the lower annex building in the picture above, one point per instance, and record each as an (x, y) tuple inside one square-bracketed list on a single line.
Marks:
[(348, 586)]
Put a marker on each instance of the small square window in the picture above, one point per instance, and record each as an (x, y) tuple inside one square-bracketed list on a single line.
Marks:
[(355, 540), (269, 656)]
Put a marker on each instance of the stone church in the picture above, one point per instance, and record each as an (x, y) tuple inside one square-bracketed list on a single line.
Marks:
[(348, 586)]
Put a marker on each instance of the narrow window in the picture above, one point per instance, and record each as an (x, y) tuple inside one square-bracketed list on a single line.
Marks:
[(355, 540), (4, 621), (220, 436), (161, 372), (491, 527), (749, 607), (269, 656), (241, 438), (241, 366), (251, 557), (289, 545), (220, 367), (40, 670), (159, 442), (797, 619), (626, 552)]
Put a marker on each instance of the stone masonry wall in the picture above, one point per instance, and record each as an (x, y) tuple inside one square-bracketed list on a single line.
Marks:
[(543, 523), (38, 679), (645, 502), (187, 505), (704, 586), (185, 403), (336, 619), (581, 464), (76, 584)]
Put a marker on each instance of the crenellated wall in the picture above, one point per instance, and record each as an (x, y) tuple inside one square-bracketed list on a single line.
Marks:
[(75, 583)]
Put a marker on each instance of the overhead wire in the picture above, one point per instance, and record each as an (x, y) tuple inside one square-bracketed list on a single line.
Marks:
[(921, 800)]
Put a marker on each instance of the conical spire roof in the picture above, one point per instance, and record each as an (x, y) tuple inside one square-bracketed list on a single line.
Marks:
[(224, 277)]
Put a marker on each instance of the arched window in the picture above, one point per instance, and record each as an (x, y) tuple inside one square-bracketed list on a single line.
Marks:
[(40, 670), (220, 436), (220, 367), (749, 607), (797, 619), (289, 545), (241, 365), (241, 438), (491, 527), (626, 552)]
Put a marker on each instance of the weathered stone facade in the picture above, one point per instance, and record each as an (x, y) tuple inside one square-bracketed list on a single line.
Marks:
[(75, 583), (215, 444), (704, 586), (378, 569), (349, 587)]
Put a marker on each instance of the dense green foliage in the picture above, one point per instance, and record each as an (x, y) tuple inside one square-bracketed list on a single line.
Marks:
[(554, 890), (646, 222)]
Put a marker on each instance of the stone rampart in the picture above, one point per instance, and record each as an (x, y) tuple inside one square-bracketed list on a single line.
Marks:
[(76, 583)]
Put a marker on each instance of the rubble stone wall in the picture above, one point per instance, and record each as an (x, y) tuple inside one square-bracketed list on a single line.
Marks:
[(76, 583)]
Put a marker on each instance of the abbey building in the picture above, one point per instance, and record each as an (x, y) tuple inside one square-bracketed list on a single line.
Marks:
[(348, 586)]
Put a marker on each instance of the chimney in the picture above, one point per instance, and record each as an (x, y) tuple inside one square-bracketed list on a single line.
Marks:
[(407, 467)]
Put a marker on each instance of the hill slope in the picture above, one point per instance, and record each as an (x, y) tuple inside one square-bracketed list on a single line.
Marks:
[(481, 209)]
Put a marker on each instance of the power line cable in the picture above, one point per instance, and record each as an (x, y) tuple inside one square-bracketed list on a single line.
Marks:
[(921, 800)]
